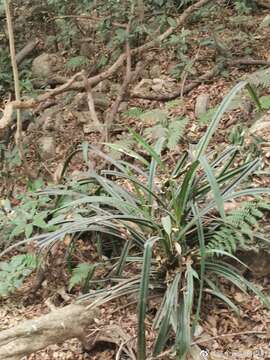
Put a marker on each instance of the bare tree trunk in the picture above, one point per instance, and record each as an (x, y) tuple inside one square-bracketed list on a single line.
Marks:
[(56, 327)]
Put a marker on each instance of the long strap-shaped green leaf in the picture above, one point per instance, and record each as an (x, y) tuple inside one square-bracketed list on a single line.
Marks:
[(222, 179), (143, 294), (223, 107), (170, 303), (148, 148), (185, 192), (189, 178), (183, 336), (152, 170), (214, 185), (229, 272), (226, 197), (200, 231)]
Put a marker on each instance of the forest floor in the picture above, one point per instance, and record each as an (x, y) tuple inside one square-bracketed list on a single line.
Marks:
[(222, 335)]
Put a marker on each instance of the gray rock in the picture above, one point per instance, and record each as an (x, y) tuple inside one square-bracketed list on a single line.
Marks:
[(261, 127), (157, 85), (115, 88), (104, 86), (155, 71), (45, 65), (47, 147), (123, 106), (201, 105), (80, 101), (87, 49)]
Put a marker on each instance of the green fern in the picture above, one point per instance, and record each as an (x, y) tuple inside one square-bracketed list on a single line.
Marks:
[(238, 231), (163, 124), (172, 132), (134, 112), (14, 272), (175, 131), (260, 78), (155, 116), (124, 143), (81, 275), (155, 132), (76, 62)]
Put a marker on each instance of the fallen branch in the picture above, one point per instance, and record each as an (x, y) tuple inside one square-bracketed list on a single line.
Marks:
[(91, 104), (201, 79), (248, 61), (114, 109), (54, 328), (6, 119), (139, 50), (173, 95)]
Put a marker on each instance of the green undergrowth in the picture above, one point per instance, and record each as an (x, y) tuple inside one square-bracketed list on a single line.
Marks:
[(178, 228)]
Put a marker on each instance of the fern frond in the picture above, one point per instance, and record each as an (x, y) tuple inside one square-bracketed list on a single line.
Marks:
[(239, 227), (76, 62), (260, 78), (172, 132), (155, 116), (154, 133), (175, 131), (134, 112)]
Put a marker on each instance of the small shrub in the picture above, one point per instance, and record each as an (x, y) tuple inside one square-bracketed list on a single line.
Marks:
[(81, 276), (14, 272), (165, 126), (30, 214)]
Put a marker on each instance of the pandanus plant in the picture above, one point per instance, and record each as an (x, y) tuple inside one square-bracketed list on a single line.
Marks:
[(172, 223)]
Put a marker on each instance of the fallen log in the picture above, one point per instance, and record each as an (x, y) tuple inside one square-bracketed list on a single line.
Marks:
[(56, 327)]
